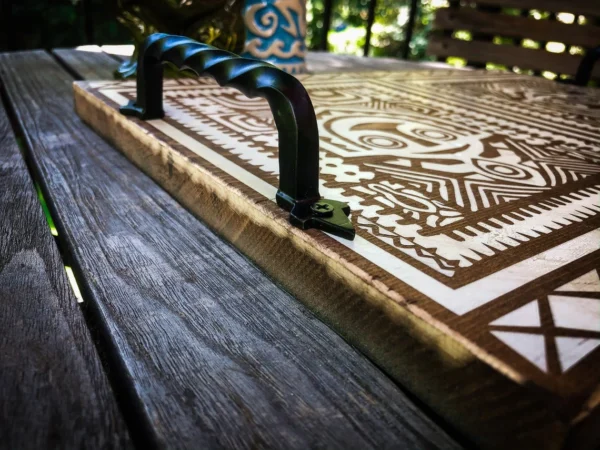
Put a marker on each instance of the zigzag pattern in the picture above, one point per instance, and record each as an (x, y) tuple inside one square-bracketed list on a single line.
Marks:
[(409, 247)]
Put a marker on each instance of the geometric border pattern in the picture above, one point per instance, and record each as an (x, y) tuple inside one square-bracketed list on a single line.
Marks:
[(521, 302)]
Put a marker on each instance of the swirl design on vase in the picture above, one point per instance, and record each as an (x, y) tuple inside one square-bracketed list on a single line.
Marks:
[(269, 20), (275, 32)]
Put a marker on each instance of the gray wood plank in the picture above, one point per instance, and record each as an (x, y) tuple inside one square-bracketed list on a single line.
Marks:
[(53, 390), (89, 63), (212, 353), (525, 58)]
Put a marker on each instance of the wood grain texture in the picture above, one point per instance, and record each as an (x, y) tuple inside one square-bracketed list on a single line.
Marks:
[(514, 405), (53, 390), (516, 26), (90, 62), (212, 352), (523, 58)]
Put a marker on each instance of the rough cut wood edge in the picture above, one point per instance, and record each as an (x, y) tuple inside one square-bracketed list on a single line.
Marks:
[(53, 389), (494, 406)]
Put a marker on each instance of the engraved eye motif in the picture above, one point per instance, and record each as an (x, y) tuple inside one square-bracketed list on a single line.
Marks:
[(381, 141), (497, 169), (380, 134), (433, 134), (401, 134)]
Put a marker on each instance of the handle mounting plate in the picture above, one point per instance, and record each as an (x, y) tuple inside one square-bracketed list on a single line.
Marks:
[(291, 107)]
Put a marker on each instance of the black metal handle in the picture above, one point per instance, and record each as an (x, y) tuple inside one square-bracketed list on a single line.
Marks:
[(291, 107)]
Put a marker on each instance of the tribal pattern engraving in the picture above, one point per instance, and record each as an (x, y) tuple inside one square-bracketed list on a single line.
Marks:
[(432, 175), (439, 185), (480, 191), (571, 331)]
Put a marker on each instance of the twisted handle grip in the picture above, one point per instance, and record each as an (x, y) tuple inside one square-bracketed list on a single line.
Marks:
[(290, 104)]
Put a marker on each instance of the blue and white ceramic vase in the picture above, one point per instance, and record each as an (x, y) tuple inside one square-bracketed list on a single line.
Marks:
[(276, 32)]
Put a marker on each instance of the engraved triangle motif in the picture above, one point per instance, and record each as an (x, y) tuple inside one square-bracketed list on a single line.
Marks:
[(589, 282), (570, 314), (529, 346), (525, 316)]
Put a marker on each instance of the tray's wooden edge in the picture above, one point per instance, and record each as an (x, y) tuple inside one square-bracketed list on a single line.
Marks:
[(406, 345), (456, 347)]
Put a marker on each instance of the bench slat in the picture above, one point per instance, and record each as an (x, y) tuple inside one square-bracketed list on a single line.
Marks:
[(211, 351), (53, 390), (510, 56), (583, 7), (516, 26)]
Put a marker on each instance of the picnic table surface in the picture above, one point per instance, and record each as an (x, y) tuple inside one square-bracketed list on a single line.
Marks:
[(177, 340)]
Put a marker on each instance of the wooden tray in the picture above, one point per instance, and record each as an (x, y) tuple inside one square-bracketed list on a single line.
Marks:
[(473, 279)]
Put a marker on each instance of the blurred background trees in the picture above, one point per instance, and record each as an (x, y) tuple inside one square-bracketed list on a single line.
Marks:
[(29, 24), (68, 23), (348, 30)]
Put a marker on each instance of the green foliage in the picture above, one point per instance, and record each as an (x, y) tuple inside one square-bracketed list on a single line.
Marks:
[(60, 23), (347, 33)]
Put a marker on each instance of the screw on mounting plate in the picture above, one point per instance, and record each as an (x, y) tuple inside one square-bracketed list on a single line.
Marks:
[(322, 209), (325, 214)]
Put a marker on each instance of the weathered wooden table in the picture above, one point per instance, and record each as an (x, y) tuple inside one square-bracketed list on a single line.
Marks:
[(178, 340), (472, 279)]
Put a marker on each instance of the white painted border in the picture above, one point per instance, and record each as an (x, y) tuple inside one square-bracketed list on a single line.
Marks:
[(459, 301)]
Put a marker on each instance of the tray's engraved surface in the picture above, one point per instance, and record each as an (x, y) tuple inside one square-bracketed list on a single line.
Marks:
[(478, 192)]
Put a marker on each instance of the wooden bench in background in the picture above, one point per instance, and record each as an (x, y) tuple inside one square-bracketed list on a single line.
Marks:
[(489, 23)]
